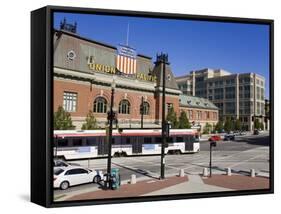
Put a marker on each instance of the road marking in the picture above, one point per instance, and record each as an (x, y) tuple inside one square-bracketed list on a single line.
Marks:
[(245, 161)]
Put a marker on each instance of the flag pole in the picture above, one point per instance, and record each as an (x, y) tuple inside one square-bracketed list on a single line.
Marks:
[(128, 28)]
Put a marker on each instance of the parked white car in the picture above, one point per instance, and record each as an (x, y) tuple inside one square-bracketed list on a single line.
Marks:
[(73, 175)]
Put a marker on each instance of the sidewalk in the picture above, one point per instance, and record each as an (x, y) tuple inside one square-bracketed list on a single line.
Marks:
[(131, 190), (195, 185), (238, 182), (177, 185)]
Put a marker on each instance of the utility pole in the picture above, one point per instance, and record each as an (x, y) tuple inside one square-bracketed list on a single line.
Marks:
[(163, 60), (212, 144), (111, 116)]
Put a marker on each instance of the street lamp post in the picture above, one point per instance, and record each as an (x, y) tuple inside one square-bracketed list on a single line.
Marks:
[(110, 119), (142, 111), (164, 60), (212, 144)]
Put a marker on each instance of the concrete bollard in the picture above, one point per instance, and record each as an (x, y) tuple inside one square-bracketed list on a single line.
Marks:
[(181, 173), (228, 171), (205, 172), (133, 179), (253, 174)]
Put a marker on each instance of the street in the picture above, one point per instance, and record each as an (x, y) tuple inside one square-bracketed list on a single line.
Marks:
[(245, 153)]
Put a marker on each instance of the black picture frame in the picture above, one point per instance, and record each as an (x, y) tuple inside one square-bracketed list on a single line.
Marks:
[(42, 104)]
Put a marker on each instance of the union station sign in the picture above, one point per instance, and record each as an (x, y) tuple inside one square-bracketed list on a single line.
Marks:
[(96, 67)]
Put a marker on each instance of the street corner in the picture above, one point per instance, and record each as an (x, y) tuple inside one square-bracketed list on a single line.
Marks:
[(140, 188), (238, 182)]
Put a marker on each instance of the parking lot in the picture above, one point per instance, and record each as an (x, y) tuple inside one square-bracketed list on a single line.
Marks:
[(245, 153)]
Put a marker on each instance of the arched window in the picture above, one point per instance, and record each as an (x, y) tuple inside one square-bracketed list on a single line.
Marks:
[(100, 105), (145, 108), (124, 107)]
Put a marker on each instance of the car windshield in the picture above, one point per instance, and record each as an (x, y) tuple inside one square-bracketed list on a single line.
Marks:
[(60, 163), (58, 171)]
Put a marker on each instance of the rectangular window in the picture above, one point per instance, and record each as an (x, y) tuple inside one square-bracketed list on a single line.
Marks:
[(215, 115), (179, 139), (208, 115), (258, 108), (190, 114), (230, 108), (62, 142), (199, 115), (147, 140), (230, 92), (91, 141), (258, 93), (77, 142), (158, 140), (219, 93), (247, 107), (247, 80), (262, 109), (128, 140), (70, 101), (262, 94)]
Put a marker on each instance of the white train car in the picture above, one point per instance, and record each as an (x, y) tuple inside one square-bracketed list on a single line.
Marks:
[(73, 144)]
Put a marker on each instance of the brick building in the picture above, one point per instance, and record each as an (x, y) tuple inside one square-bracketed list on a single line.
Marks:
[(199, 111), (84, 71)]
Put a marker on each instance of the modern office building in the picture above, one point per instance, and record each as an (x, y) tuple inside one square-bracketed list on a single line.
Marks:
[(238, 96)]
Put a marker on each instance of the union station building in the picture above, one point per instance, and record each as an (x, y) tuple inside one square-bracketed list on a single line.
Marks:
[(85, 71)]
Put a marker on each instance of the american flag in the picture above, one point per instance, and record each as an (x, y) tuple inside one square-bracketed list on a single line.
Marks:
[(126, 61)]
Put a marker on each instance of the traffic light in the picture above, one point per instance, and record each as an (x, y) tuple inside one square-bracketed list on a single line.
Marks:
[(112, 116)]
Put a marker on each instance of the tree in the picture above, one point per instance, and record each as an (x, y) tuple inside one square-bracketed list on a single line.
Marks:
[(256, 124), (237, 125), (219, 126), (62, 120), (172, 117), (183, 121), (261, 126), (207, 129), (228, 125), (91, 122)]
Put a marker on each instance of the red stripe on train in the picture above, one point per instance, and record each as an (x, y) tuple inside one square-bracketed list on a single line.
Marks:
[(123, 134)]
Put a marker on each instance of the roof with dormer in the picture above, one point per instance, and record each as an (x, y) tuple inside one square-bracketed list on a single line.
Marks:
[(196, 102)]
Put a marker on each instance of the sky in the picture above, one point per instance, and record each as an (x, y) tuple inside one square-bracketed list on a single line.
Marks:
[(190, 45)]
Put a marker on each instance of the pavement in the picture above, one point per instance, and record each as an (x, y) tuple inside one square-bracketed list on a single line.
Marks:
[(174, 185)]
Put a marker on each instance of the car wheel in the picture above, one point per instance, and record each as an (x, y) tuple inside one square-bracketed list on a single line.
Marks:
[(64, 185), (97, 179)]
